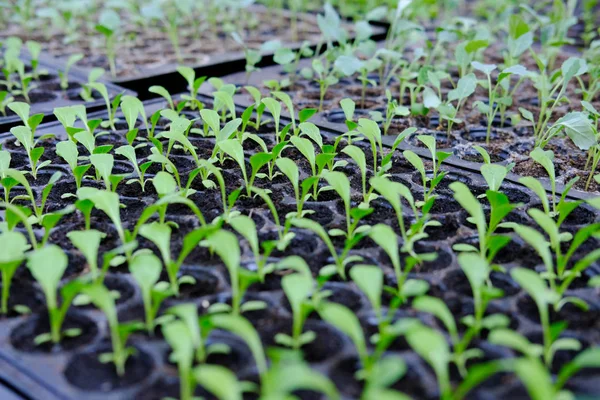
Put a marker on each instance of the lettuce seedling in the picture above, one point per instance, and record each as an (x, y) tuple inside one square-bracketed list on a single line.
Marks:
[(246, 227), (13, 245), (464, 89), (241, 327), (132, 107), (128, 152), (194, 85), (489, 243), (38, 211), (358, 156), (429, 180), (24, 136), (164, 93), (103, 164), (88, 243), (179, 337), (341, 184), (501, 95), (108, 26), (301, 190), (160, 235), (107, 202), (146, 269), (227, 247), (494, 174), (393, 109), (111, 106), (233, 148), (387, 239), (219, 381), (477, 271), (555, 258), (346, 321), (68, 151), (340, 260), (49, 279), (325, 77), (298, 288), (288, 376), (64, 75), (431, 345), (119, 333), (551, 91), (543, 297)]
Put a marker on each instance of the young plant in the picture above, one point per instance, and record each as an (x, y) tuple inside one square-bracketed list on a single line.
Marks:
[(108, 26), (68, 151), (88, 243), (298, 288), (49, 279), (179, 337), (346, 321), (146, 269), (500, 96), (160, 234), (226, 245), (13, 245), (341, 184), (128, 152), (194, 85), (430, 180), (246, 227), (477, 271), (464, 89), (340, 261), (551, 91), (119, 333), (64, 75), (489, 243)]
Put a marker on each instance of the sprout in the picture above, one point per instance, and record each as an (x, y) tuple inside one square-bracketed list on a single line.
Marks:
[(13, 245), (119, 333), (49, 279)]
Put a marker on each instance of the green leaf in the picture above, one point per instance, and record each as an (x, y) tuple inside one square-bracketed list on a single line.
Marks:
[(369, 280), (439, 309), (580, 129), (464, 88), (241, 327), (346, 321), (535, 286), (219, 381), (433, 348), (145, 269)]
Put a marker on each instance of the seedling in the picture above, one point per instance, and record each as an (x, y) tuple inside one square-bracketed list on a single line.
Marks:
[(64, 75), (430, 180), (225, 245), (194, 85), (246, 227), (49, 280), (489, 243), (500, 96), (14, 245), (88, 243), (119, 333), (146, 269)]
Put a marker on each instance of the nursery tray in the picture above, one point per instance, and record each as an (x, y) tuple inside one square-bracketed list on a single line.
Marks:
[(510, 144), (216, 63), (50, 95), (66, 375)]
